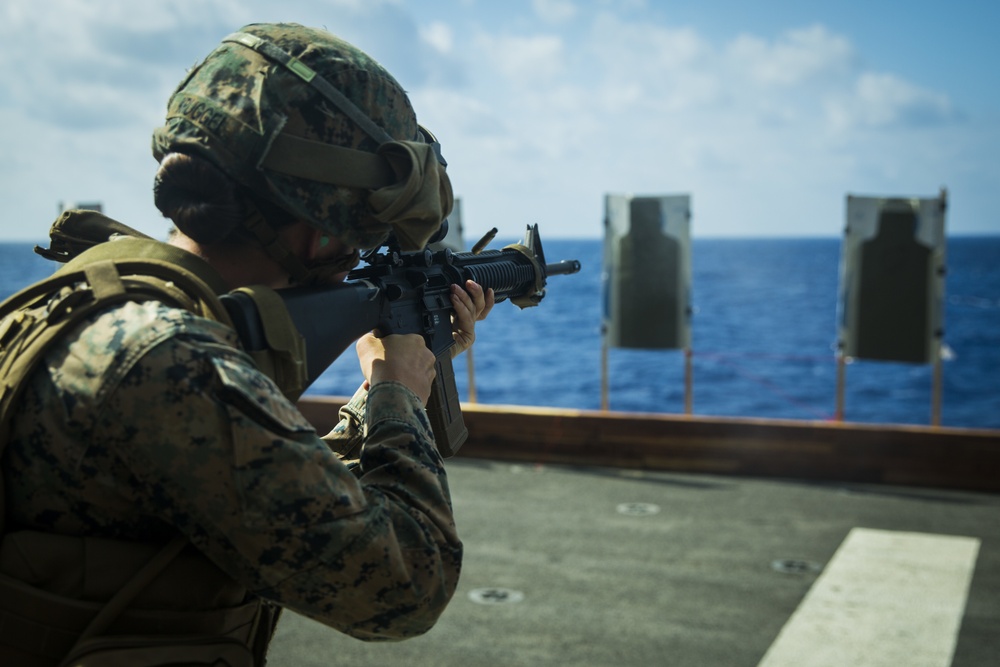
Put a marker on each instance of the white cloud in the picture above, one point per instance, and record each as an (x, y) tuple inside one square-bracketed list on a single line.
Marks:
[(797, 57), (554, 11), (642, 49), (439, 36), (537, 119), (524, 62), (745, 125), (619, 5), (885, 101), (649, 71)]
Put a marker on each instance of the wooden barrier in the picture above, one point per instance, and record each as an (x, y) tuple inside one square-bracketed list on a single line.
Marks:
[(926, 456)]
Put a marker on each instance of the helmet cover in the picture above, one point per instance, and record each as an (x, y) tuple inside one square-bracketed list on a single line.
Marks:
[(231, 107)]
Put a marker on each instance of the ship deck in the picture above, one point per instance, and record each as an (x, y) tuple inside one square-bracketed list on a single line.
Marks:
[(616, 565)]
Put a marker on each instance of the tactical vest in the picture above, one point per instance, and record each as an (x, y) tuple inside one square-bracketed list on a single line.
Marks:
[(146, 585)]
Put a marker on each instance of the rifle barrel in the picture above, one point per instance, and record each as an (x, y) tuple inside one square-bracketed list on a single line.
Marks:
[(563, 268)]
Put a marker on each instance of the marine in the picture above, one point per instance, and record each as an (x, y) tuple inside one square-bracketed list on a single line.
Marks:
[(163, 497)]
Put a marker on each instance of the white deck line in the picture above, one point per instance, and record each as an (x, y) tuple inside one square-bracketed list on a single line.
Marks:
[(885, 599)]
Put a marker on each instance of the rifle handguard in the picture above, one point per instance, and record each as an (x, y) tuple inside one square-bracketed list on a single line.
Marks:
[(533, 297)]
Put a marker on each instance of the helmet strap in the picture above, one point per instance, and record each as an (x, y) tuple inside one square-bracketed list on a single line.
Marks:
[(411, 191), (272, 244), (276, 54), (328, 271), (322, 272)]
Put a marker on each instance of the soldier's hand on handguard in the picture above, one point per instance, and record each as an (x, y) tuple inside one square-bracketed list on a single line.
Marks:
[(402, 358), (472, 304)]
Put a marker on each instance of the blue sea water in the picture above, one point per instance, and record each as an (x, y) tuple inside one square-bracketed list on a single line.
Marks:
[(763, 337)]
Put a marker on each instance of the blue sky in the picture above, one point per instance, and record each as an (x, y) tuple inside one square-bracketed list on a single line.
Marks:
[(768, 114)]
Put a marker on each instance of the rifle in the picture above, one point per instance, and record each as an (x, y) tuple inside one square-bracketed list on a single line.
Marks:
[(395, 293), (399, 293)]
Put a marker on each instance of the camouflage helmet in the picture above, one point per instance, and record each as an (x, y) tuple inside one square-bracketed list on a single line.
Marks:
[(312, 124)]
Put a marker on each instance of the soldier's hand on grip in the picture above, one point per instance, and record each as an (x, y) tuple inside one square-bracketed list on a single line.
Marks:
[(402, 358)]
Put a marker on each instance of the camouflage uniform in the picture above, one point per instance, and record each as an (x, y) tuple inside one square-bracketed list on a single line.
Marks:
[(147, 420), (150, 421)]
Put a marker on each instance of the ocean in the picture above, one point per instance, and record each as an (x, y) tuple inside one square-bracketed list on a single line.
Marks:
[(763, 340)]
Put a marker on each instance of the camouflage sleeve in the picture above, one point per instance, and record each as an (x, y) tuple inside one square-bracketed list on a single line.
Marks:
[(218, 452), (348, 435)]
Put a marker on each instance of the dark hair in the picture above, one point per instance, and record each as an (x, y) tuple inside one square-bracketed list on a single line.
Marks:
[(208, 206), (199, 198)]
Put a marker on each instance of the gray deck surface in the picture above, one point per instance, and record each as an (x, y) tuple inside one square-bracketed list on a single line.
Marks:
[(708, 580)]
